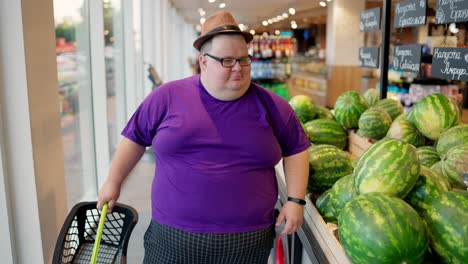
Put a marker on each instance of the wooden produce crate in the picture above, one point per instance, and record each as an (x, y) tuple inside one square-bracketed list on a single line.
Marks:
[(357, 144), (325, 234)]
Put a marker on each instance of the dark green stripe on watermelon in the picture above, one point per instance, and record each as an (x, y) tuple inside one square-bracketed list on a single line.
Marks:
[(374, 123), (391, 106), (428, 156), (327, 164), (303, 106), (341, 193), (325, 131), (447, 224), (324, 207), (455, 165), (403, 129), (348, 108), (429, 185), (390, 166), (376, 228), (455, 136), (323, 113), (434, 114)]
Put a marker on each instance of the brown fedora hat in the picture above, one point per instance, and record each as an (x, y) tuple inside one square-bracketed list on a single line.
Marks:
[(221, 22)]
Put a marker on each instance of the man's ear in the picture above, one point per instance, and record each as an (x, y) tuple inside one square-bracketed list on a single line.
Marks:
[(202, 62)]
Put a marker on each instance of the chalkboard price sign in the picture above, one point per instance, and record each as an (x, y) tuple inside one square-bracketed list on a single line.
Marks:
[(407, 58), (370, 20), (369, 57), (410, 13), (450, 63), (451, 11)]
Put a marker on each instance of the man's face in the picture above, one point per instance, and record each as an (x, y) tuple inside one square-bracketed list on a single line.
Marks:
[(222, 82)]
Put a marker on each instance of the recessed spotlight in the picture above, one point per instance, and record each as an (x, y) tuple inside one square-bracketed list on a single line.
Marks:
[(265, 23), (252, 32), (323, 4), (292, 11), (222, 5)]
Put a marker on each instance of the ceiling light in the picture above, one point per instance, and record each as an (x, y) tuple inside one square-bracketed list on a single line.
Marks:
[(322, 3), (211, 1), (270, 21), (202, 20), (265, 23), (279, 18), (202, 13), (293, 22), (285, 15), (252, 32), (277, 32), (292, 11), (222, 5), (328, 0), (275, 19), (241, 27), (198, 28), (293, 26), (265, 34)]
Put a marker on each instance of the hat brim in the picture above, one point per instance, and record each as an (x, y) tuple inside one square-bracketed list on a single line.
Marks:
[(201, 40)]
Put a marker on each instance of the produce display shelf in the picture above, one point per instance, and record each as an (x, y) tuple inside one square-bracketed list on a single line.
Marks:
[(316, 237)]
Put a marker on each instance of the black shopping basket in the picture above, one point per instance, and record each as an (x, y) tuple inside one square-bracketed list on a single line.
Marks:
[(78, 234)]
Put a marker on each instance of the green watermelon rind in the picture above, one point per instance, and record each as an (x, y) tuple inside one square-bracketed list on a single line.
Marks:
[(326, 131), (376, 228), (390, 166), (393, 107), (453, 137), (374, 123), (327, 164), (428, 155), (447, 225), (401, 128), (303, 106), (348, 108)]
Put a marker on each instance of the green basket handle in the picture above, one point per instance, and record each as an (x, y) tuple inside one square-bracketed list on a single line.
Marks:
[(97, 242)]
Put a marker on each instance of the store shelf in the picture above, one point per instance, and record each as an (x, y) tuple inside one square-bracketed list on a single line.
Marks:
[(311, 84), (317, 239)]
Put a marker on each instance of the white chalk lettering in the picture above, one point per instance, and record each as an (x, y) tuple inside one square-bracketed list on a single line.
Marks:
[(447, 54), (459, 14), (455, 72), (411, 21), (408, 65)]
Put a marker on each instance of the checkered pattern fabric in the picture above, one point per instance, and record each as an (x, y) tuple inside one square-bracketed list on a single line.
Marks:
[(164, 244)]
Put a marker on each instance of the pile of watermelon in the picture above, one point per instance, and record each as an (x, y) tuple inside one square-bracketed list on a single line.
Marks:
[(406, 195)]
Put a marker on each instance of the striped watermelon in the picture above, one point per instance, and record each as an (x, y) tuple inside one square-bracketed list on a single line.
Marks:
[(303, 106), (372, 96), (326, 131), (403, 129), (323, 113), (434, 114), (455, 165), (327, 164), (376, 228), (455, 136), (374, 123), (324, 207), (348, 108), (437, 167), (429, 185), (428, 155), (447, 224), (389, 166), (341, 193), (391, 106)]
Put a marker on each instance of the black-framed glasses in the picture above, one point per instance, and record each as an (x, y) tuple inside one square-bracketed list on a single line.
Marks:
[(230, 62)]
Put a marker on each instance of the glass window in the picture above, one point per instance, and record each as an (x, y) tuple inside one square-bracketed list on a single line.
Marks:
[(115, 69), (74, 77)]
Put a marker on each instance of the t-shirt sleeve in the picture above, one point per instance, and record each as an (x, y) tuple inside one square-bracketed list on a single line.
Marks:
[(292, 137), (142, 126)]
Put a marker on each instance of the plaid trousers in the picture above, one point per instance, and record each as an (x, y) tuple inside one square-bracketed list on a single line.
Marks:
[(165, 244)]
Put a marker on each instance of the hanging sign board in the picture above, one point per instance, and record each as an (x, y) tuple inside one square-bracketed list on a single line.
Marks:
[(448, 11), (370, 20), (450, 63), (407, 58), (369, 57), (410, 13)]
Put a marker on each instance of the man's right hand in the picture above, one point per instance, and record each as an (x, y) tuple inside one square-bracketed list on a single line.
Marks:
[(109, 194)]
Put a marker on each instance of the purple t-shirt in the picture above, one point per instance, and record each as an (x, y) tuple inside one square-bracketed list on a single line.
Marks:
[(215, 159)]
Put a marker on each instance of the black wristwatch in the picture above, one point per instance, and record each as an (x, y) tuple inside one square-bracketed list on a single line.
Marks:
[(296, 200)]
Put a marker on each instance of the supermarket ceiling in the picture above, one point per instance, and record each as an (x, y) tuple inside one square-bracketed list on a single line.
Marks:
[(252, 12)]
